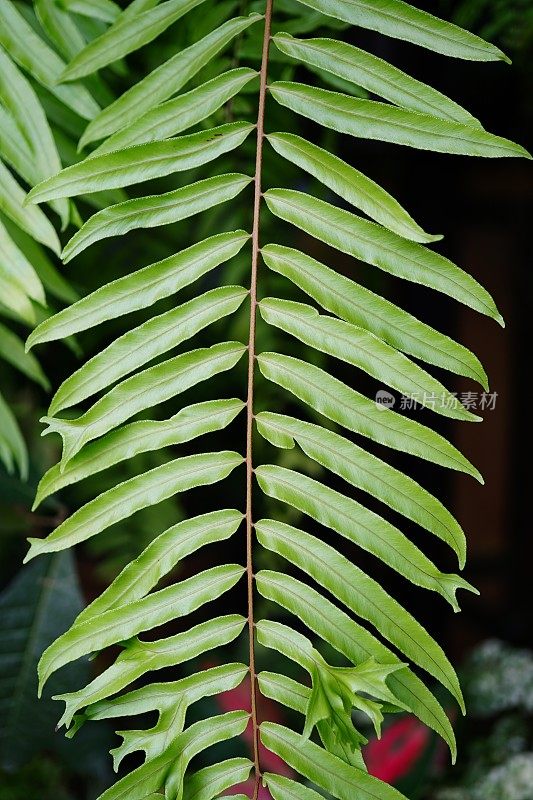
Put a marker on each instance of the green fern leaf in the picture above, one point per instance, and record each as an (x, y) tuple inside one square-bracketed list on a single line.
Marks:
[(125, 36), (150, 212), (350, 184), (403, 21), (136, 493), (32, 53), (357, 413), (195, 115), (323, 768), (180, 113), (358, 305), (104, 10), (374, 74), (164, 81)]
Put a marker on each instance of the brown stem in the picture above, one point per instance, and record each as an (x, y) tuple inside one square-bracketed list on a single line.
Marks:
[(250, 397)]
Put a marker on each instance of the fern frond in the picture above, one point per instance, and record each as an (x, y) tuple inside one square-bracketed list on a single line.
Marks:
[(187, 125), (30, 151)]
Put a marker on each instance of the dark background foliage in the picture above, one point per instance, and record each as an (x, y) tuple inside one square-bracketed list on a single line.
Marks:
[(484, 210)]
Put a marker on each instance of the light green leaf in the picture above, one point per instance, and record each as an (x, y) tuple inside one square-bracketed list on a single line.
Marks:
[(322, 768), (350, 184), (20, 100), (164, 81), (144, 343), (169, 768), (282, 788), (358, 305), (236, 797), (139, 437), (374, 74), (161, 556), (126, 35), (137, 7), (359, 525), (364, 350), (336, 690), (356, 643), (126, 498), (30, 219), (352, 410), (162, 696), (335, 695), (119, 624), (152, 741), (377, 246), (140, 289), (143, 390), (369, 119), (235, 724), (150, 212), (14, 146), (104, 10), (16, 268), (209, 782), (366, 598), (53, 281), (138, 658), (283, 690), (14, 298), (180, 113), (19, 39), (403, 21), (60, 27), (12, 351), (13, 445), (142, 162), (365, 471), (295, 696)]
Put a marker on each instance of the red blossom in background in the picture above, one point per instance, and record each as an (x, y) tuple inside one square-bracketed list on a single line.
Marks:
[(402, 744)]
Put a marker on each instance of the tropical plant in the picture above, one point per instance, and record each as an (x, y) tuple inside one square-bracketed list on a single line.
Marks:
[(36, 139), (141, 136)]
